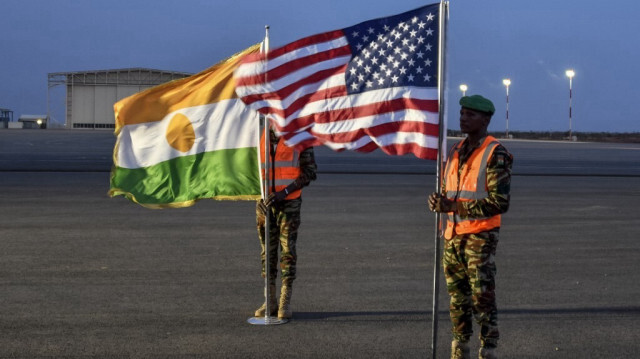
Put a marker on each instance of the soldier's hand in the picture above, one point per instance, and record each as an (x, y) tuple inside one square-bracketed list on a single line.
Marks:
[(439, 203), (275, 198), (261, 207), (432, 201)]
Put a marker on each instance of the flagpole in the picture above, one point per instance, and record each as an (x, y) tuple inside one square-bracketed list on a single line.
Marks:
[(443, 17), (267, 319)]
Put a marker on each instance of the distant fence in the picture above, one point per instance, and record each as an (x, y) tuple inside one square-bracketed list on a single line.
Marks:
[(618, 137)]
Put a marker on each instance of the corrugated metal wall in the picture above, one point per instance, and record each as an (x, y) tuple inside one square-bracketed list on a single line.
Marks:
[(91, 106)]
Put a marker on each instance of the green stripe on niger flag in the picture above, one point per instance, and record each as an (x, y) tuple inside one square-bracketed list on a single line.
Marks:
[(180, 182)]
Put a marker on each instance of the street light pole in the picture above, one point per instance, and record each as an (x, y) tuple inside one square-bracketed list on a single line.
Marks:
[(463, 88), (570, 73), (506, 83)]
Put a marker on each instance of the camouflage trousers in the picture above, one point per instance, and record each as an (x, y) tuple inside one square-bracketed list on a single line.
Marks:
[(284, 221), (470, 269)]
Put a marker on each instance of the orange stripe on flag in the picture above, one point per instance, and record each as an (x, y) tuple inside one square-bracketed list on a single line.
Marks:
[(209, 86)]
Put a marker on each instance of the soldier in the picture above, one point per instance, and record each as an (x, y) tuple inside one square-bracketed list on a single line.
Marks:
[(289, 171), (475, 192)]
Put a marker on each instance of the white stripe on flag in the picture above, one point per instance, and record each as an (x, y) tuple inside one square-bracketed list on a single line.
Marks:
[(145, 144), (375, 120), (333, 81), (349, 101), (282, 82), (258, 68), (383, 140)]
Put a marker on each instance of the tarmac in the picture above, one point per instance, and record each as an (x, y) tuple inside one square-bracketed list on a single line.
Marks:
[(88, 276)]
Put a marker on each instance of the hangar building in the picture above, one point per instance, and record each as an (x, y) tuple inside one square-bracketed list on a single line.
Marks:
[(90, 95)]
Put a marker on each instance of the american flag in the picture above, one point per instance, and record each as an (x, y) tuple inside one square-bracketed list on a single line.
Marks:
[(368, 86)]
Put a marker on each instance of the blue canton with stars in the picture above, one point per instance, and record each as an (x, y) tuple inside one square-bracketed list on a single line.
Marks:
[(396, 51)]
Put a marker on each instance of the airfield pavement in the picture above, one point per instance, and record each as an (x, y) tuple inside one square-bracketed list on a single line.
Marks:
[(84, 275)]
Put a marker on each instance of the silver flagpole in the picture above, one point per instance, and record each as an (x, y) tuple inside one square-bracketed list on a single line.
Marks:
[(267, 319), (443, 17)]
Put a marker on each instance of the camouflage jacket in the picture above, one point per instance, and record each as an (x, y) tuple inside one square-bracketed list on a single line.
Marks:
[(308, 168)]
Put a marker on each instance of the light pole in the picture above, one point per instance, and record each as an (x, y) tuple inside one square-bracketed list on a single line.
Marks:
[(506, 83), (570, 73), (464, 88)]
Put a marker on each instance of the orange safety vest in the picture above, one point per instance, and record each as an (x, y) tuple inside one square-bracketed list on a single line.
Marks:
[(467, 184), (284, 168)]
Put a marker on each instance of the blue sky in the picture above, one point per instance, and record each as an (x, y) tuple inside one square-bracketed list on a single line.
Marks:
[(532, 43)]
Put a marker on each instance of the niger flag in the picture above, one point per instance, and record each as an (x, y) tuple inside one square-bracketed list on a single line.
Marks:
[(186, 140)]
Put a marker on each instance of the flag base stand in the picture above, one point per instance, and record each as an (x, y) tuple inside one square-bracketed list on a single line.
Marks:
[(267, 321)]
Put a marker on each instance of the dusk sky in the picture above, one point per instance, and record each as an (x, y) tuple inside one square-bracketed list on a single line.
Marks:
[(530, 42)]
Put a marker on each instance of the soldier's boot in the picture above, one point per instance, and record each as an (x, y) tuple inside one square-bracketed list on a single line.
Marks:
[(284, 311), (273, 303), (460, 350), (487, 353)]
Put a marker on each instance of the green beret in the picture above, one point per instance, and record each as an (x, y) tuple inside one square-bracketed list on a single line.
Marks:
[(478, 103)]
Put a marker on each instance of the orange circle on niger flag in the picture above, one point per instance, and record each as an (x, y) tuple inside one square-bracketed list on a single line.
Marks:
[(180, 133)]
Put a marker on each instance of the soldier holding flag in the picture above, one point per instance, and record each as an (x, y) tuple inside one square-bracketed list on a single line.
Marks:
[(290, 171), (475, 192)]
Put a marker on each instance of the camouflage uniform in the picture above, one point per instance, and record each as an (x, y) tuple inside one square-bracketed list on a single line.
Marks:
[(468, 260), (284, 221)]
